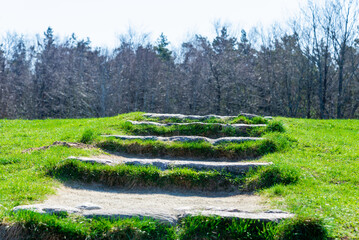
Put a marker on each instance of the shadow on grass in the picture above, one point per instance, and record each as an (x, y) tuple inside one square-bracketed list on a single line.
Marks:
[(145, 177), (199, 150)]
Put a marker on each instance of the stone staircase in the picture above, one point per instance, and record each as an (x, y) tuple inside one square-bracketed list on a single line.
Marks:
[(104, 202)]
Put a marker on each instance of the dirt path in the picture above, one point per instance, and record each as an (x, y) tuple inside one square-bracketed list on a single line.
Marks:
[(166, 205), (110, 198)]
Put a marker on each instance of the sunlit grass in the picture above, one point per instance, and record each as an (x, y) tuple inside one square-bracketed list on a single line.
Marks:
[(324, 152)]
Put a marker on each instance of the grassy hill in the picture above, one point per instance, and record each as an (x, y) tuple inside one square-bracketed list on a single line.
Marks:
[(323, 154)]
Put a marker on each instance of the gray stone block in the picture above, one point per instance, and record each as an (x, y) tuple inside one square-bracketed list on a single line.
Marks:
[(267, 216), (196, 117), (236, 126), (187, 139), (88, 206), (163, 164), (41, 208)]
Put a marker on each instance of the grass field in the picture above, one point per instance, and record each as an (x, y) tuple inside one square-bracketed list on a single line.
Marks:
[(322, 156)]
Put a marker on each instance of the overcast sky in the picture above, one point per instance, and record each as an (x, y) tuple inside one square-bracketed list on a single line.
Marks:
[(103, 20)]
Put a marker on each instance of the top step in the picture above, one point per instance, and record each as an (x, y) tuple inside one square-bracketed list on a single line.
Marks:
[(187, 139), (197, 117), (236, 125), (164, 164)]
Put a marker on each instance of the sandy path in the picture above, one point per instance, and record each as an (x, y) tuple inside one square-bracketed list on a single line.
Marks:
[(110, 198), (157, 203)]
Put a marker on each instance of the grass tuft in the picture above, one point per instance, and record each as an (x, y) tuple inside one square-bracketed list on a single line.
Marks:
[(201, 227), (9, 160), (38, 226), (88, 136), (275, 126), (34, 226), (302, 228), (270, 176), (258, 120)]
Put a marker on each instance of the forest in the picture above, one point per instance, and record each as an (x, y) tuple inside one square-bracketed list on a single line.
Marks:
[(307, 69)]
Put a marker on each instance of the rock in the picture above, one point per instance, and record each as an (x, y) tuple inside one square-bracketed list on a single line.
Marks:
[(163, 164), (127, 137), (88, 206), (236, 126), (173, 218), (187, 139), (41, 208), (248, 115), (59, 209), (182, 116), (267, 216), (117, 214), (91, 211), (94, 160), (234, 139), (196, 117), (35, 208)]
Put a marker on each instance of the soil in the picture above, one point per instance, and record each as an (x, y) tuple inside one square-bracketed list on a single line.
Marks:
[(160, 204), (58, 143)]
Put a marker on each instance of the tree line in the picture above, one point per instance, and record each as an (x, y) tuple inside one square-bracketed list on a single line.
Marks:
[(310, 69)]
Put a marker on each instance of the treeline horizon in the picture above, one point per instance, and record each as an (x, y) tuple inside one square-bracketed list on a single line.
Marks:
[(310, 70)]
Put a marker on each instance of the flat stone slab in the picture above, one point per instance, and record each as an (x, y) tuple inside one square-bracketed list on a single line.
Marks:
[(172, 218), (88, 206), (266, 216), (167, 206), (163, 164), (197, 117), (187, 139), (119, 214), (43, 208), (182, 116), (236, 126)]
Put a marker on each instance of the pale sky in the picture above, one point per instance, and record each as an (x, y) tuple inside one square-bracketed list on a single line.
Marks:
[(103, 20)]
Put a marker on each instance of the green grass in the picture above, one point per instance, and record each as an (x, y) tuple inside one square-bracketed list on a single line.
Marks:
[(33, 226), (302, 228), (325, 153), (201, 227), (270, 176), (200, 150), (238, 119), (211, 131), (88, 136), (30, 225)]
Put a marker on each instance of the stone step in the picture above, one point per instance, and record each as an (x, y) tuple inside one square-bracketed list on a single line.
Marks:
[(182, 116), (92, 200), (236, 126), (164, 216), (187, 139), (266, 216), (163, 164), (196, 117)]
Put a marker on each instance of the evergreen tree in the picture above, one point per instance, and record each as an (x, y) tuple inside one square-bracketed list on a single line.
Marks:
[(161, 48)]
